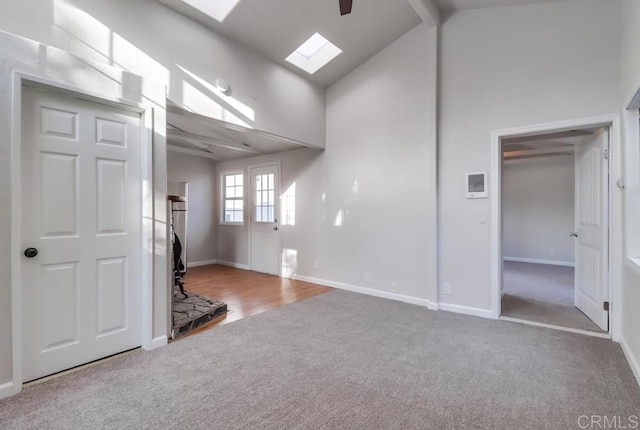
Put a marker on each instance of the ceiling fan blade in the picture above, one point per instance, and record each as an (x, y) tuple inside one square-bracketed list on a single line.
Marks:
[(345, 7)]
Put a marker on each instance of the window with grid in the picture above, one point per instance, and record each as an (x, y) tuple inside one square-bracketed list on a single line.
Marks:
[(265, 197), (233, 198)]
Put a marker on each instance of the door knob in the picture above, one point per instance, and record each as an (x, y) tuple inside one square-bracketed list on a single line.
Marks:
[(30, 252), (573, 234), (275, 227)]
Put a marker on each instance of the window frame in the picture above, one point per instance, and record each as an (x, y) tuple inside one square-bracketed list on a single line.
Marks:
[(223, 197)]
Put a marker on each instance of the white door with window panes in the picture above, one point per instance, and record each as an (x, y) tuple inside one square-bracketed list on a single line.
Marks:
[(264, 210)]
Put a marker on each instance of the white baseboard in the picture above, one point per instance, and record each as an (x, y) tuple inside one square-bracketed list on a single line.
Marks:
[(6, 390), (158, 342), (232, 264), (201, 263), (631, 358), (369, 291), (536, 261), (476, 312)]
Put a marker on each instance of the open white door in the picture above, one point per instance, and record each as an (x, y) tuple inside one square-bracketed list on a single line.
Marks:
[(264, 209), (592, 243), (81, 232)]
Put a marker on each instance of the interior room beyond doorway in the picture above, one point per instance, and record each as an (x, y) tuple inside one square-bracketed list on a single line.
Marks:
[(544, 207)]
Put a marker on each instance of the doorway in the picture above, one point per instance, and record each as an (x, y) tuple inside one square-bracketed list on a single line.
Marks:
[(553, 253)]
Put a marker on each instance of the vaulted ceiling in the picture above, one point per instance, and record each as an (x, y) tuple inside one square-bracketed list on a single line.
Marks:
[(275, 28)]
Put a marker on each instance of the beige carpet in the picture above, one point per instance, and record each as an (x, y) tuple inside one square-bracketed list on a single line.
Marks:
[(542, 293), (344, 361)]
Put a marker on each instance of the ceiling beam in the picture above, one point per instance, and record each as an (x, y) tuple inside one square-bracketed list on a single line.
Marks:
[(427, 11), (548, 136), (195, 152), (198, 140), (539, 152), (525, 157)]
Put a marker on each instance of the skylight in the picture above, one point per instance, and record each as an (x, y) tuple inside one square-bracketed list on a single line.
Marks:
[(216, 9), (314, 54)]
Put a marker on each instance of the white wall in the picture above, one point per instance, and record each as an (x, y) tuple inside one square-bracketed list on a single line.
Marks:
[(510, 67), (538, 209), (367, 203), (630, 77), (151, 40), (200, 173), (299, 170)]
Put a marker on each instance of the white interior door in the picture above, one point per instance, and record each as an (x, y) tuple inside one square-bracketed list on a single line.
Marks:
[(81, 211), (264, 210), (592, 244)]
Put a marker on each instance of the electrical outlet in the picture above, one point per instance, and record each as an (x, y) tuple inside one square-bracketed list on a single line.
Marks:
[(394, 286), (446, 288), (367, 277), (316, 263), (552, 253)]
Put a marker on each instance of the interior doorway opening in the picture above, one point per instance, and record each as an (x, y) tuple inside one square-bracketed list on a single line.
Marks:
[(554, 228)]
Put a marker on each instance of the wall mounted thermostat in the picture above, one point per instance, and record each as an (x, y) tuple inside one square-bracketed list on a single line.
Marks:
[(477, 185)]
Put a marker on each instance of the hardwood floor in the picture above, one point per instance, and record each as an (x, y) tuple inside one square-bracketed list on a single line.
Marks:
[(245, 293)]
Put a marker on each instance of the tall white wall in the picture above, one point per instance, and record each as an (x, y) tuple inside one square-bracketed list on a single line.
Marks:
[(509, 67), (630, 77), (200, 173), (367, 203), (151, 40), (538, 209)]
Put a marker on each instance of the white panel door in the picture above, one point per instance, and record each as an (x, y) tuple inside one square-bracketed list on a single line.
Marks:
[(81, 211), (591, 212), (264, 209)]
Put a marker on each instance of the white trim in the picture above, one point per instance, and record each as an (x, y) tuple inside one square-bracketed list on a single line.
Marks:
[(466, 310), (16, 230), (277, 208), (158, 342), (7, 390), (232, 264), (21, 79), (537, 261), (369, 291), (201, 263), (631, 358), (557, 327), (146, 293), (611, 121)]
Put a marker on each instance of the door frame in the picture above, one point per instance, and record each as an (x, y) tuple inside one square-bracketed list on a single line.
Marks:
[(277, 164), (615, 259), (20, 80)]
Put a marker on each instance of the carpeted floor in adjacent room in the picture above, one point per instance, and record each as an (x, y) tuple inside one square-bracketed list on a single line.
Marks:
[(542, 293), (343, 361)]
